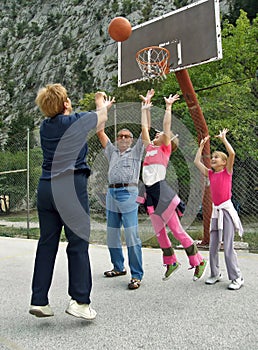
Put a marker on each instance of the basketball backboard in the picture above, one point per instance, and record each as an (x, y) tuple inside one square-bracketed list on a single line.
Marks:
[(191, 34)]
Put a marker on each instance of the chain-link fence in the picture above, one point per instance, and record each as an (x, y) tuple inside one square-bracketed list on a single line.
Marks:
[(20, 169)]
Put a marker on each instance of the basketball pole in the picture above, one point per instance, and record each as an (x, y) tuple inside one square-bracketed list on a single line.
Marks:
[(201, 127)]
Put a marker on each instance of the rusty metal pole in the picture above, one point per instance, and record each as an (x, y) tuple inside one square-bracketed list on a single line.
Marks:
[(189, 94)]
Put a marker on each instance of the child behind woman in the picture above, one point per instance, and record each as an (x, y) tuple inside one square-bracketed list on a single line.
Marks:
[(224, 221), (162, 200)]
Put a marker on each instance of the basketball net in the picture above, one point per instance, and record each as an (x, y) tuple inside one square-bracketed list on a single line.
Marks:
[(153, 62)]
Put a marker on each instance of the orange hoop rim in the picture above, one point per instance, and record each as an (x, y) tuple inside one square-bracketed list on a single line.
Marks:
[(151, 48), (161, 63)]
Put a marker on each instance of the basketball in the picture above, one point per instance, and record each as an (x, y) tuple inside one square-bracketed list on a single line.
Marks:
[(119, 29)]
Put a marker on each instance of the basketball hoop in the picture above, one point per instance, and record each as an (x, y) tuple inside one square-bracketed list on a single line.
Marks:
[(153, 62)]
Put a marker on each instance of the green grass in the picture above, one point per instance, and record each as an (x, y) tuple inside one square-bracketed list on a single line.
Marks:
[(252, 239), (21, 216), (33, 233)]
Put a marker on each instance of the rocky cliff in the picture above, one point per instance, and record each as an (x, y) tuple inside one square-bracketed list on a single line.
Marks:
[(64, 41)]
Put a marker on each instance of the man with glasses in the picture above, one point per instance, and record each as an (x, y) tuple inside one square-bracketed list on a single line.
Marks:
[(121, 207)]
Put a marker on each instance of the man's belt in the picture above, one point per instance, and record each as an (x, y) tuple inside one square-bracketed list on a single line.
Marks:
[(122, 185)]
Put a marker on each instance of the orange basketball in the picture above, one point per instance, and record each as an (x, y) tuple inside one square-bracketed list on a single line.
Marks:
[(119, 29)]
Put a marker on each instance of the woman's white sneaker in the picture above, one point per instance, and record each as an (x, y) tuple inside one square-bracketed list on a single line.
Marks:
[(214, 279), (236, 284), (80, 310), (41, 311)]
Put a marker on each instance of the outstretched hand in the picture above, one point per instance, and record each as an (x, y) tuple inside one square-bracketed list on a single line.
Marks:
[(222, 134), (148, 97), (204, 140), (102, 100), (109, 101), (171, 99), (146, 105)]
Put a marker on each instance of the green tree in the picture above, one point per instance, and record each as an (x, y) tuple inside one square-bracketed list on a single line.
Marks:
[(227, 89), (180, 3), (17, 132), (250, 7), (88, 102)]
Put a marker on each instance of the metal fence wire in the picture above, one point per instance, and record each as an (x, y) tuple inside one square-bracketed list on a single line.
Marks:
[(20, 169)]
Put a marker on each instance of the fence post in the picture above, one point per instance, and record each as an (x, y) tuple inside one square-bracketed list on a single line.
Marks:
[(28, 183), (115, 123)]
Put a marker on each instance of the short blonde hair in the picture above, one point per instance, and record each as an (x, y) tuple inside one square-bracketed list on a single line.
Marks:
[(221, 155), (50, 99)]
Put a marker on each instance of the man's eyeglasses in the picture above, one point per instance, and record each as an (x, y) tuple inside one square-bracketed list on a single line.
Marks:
[(125, 136)]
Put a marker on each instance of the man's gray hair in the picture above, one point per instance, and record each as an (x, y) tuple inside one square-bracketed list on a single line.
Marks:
[(131, 134)]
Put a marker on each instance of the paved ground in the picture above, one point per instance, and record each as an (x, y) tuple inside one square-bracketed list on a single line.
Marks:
[(177, 314)]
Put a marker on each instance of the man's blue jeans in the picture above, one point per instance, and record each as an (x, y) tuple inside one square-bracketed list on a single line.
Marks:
[(122, 210)]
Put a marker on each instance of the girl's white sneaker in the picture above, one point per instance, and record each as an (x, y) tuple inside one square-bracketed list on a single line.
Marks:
[(236, 284), (214, 279)]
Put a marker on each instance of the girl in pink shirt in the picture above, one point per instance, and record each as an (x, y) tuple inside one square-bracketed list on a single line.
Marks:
[(163, 204), (224, 221)]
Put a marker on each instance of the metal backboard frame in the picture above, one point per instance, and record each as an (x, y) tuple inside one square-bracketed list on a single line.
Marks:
[(192, 34)]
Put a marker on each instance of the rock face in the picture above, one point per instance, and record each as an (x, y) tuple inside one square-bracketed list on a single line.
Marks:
[(67, 41)]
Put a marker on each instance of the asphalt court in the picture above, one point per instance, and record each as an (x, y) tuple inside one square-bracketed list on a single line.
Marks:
[(178, 313)]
